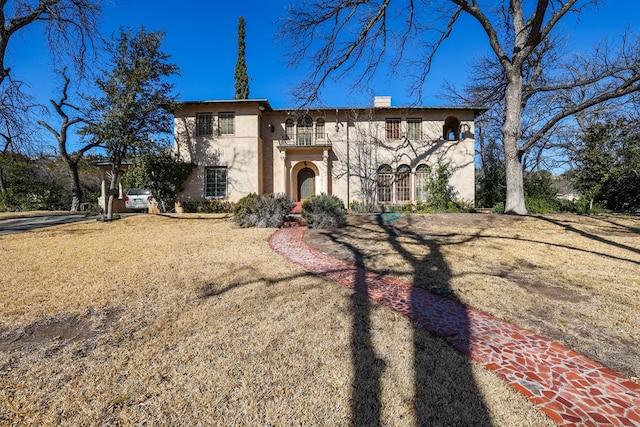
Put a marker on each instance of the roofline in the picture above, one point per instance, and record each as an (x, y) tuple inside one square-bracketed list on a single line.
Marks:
[(262, 101), (405, 107), (476, 109)]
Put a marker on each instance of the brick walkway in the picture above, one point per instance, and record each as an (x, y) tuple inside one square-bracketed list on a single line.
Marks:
[(570, 388)]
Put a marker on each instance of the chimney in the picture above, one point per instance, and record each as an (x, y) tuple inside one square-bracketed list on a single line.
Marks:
[(382, 101)]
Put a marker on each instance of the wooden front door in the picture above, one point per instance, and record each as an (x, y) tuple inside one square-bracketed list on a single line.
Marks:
[(306, 183)]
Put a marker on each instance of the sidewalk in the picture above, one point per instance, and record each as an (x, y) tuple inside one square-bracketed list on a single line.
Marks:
[(570, 388)]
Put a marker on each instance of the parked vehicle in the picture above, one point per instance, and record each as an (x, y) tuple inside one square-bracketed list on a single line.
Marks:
[(137, 199)]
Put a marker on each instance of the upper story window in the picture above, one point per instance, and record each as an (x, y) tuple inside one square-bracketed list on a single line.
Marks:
[(305, 130), (204, 124), (451, 129), (320, 130), (392, 128), (226, 123), (289, 128), (414, 129)]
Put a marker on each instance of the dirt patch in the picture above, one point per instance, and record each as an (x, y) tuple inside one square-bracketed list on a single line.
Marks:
[(570, 278), (55, 332)]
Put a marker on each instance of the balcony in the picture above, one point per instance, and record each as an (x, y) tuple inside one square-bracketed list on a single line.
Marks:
[(305, 140)]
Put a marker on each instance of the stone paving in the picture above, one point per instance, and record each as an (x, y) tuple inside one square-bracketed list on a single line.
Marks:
[(570, 388)]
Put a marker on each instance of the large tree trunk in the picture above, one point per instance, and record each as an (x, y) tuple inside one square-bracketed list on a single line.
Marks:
[(511, 140), (76, 189)]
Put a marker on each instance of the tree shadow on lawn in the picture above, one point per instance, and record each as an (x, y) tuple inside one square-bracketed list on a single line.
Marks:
[(444, 389), (595, 237)]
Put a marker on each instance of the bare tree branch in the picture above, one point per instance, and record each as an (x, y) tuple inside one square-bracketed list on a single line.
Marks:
[(70, 26)]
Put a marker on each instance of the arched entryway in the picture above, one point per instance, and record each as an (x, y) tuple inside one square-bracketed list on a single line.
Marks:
[(306, 183)]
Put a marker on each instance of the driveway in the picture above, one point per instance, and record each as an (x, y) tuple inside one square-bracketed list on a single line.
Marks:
[(17, 225)]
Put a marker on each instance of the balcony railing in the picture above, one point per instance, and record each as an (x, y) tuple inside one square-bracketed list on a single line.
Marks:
[(304, 140)]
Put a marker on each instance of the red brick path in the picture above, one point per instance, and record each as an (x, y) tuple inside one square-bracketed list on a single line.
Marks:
[(570, 388)]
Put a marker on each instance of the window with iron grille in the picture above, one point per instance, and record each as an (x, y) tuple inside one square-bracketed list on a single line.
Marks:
[(204, 124), (414, 129), (392, 127), (226, 123), (216, 182), (422, 182), (403, 184), (385, 184)]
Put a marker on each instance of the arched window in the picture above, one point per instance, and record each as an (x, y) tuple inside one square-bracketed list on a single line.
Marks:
[(289, 129), (403, 183), (305, 130), (385, 184), (451, 129), (320, 130), (423, 173)]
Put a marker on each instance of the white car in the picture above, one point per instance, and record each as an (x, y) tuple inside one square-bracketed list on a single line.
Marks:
[(137, 199)]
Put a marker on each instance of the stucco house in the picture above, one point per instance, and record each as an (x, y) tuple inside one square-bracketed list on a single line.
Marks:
[(372, 155)]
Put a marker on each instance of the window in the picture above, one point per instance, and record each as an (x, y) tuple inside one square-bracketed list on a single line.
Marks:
[(305, 130), (216, 182), (403, 184), (226, 122), (422, 182), (289, 129), (392, 127), (320, 130), (385, 183), (451, 129), (204, 124), (414, 129)]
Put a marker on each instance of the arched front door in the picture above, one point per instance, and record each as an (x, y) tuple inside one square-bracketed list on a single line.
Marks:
[(306, 183)]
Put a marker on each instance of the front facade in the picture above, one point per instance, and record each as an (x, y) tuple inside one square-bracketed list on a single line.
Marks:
[(379, 155)]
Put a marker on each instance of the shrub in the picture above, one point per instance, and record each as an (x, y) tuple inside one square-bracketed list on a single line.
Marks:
[(264, 211), (498, 208), (359, 207), (207, 206), (324, 211)]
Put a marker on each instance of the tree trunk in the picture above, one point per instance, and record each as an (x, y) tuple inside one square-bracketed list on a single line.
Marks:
[(113, 190), (3, 189), (76, 189), (511, 140)]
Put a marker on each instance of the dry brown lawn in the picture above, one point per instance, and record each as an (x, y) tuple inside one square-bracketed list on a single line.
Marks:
[(572, 279), (152, 320)]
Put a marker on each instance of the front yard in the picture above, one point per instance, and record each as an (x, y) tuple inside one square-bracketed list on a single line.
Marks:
[(179, 321)]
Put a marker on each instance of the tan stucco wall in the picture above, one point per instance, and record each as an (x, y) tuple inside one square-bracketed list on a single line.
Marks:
[(259, 160), (238, 152)]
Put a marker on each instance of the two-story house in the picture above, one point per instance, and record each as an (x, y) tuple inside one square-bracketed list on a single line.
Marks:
[(373, 155)]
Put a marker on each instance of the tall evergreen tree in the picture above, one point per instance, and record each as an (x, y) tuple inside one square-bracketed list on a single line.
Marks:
[(241, 76)]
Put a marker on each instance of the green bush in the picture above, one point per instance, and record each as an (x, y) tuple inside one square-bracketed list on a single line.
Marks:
[(498, 208), (207, 206), (359, 207), (324, 211), (264, 211)]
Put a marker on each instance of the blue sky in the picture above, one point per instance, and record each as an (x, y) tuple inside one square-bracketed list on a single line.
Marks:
[(202, 39)]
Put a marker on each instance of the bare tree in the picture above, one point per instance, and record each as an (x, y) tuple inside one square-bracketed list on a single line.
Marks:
[(70, 26), (17, 134), (71, 159), (341, 36), (16, 111)]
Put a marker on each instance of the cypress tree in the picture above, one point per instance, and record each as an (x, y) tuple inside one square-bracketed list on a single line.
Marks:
[(242, 79)]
